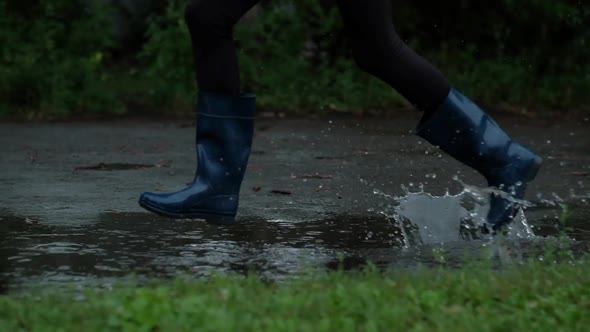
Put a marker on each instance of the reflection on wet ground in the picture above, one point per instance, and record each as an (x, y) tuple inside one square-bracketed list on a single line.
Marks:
[(117, 244), (57, 178)]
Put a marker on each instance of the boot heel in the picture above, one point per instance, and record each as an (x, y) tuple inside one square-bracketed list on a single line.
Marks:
[(534, 169)]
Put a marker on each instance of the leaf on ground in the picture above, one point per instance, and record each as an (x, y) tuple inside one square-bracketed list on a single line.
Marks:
[(113, 167), (580, 173), (282, 192), (100, 166), (311, 176)]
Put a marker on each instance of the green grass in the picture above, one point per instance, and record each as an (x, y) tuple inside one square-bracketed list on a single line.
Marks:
[(537, 296)]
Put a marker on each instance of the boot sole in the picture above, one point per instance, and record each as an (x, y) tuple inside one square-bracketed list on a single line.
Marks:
[(210, 218), (530, 175)]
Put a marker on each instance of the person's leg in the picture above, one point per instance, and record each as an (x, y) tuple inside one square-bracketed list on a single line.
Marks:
[(225, 119), (451, 121), (378, 50), (211, 24)]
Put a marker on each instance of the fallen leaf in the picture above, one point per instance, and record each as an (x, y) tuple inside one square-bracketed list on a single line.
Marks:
[(282, 192), (580, 173), (100, 166), (113, 167), (308, 176)]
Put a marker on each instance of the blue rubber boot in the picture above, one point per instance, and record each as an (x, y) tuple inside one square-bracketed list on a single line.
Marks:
[(225, 127), (464, 131)]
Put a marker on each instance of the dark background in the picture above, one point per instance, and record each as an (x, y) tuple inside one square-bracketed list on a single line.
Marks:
[(71, 58)]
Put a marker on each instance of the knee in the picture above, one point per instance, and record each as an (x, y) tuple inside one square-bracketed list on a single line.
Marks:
[(206, 20)]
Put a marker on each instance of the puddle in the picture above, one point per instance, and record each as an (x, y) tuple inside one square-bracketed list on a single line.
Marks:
[(118, 244)]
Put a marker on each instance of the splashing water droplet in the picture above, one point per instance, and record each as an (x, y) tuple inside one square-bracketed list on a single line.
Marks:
[(423, 218)]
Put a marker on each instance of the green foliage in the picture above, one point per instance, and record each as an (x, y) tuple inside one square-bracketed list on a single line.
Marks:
[(56, 56), (166, 60), (525, 53), (537, 296), (52, 56), (293, 57), (275, 61)]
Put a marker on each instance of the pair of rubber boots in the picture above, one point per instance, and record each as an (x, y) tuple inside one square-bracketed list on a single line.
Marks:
[(225, 127)]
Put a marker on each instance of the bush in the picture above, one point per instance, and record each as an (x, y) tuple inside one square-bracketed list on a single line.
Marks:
[(526, 53), (295, 58), (276, 61), (166, 60), (56, 57), (295, 55), (52, 59)]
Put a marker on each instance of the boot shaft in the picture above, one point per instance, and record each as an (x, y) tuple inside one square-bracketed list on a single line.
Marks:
[(224, 132)]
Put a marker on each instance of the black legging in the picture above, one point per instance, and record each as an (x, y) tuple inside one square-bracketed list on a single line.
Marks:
[(376, 48)]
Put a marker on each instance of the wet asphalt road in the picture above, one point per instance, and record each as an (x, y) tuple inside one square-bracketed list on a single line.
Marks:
[(308, 194)]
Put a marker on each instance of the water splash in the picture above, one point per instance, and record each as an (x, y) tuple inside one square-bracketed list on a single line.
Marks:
[(424, 218)]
